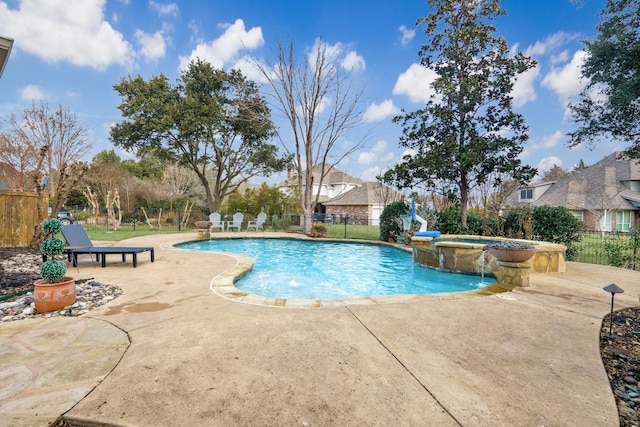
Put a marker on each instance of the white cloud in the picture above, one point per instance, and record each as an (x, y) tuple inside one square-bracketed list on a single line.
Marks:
[(32, 93), (547, 142), (407, 35), (376, 153), (73, 30), (226, 48), (547, 163), (567, 81), (367, 157), (415, 83), (353, 62), (378, 112), (370, 174), (560, 58), (552, 42), (164, 9), (523, 89), (152, 46), (380, 147)]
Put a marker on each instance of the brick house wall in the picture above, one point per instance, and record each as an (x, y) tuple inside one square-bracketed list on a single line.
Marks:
[(591, 220), (354, 211)]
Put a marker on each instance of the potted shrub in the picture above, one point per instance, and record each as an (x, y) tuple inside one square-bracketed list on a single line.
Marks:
[(55, 290), (511, 251)]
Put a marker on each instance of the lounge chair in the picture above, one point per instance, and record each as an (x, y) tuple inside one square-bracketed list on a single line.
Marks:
[(215, 221), (237, 222), (79, 243), (258, 223)]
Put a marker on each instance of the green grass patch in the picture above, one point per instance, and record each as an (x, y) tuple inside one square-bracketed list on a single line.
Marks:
[(362, 232)]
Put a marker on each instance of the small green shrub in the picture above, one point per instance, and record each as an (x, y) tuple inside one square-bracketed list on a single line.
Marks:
[(390, 227), (51, 247), (318, 230), (622, 251), (52, 226), (52, 270)]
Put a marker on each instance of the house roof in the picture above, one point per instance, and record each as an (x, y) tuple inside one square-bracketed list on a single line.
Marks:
[(369, 193), (334, 176), (603, 185)]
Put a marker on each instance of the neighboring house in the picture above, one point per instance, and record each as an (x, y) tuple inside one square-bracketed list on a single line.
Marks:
[(343, 195), (604, 196), (364, 203), (335, 182)]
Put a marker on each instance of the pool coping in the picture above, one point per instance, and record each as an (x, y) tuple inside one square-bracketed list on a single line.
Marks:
[(223, 283)]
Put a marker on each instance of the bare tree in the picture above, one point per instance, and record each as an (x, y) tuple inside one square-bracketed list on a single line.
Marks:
[(67, 177), (18, 159), (386, 195), (179, 181), (68, 140), (319, 101)]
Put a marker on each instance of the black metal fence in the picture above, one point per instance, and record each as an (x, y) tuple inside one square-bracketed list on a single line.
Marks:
[(620, 249), (172, 221)]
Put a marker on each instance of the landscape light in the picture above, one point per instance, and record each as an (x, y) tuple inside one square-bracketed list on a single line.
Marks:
[(5, 50), (614, 289)]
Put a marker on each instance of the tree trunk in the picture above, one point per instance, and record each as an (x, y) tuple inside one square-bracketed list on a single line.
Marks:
[(464, 200)]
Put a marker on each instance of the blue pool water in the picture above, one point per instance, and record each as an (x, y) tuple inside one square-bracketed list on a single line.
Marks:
[(292, 268)]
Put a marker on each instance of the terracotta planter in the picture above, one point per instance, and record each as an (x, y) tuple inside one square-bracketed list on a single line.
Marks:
[(54, 296), (511, 254), (201, 225)]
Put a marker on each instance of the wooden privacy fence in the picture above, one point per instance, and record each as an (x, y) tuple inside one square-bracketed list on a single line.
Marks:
[(18, 217)]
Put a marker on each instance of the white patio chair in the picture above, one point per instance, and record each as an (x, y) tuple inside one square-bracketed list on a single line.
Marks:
[(237, 222), (214, 219), (258, 223)]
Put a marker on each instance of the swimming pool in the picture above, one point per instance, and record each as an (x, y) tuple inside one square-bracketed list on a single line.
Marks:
[(302, 269)]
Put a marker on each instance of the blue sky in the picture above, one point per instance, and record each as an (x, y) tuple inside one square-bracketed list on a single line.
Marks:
[(72, 52)]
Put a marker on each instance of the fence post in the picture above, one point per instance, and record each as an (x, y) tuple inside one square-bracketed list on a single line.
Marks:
[(634, 235), (346, 219)]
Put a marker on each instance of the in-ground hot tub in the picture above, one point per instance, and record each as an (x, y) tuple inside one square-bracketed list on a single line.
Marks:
[(466, 254)]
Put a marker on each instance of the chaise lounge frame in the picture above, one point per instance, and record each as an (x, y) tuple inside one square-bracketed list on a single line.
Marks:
[(79, 244)]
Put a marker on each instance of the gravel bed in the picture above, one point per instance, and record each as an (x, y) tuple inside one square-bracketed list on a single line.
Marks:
[(19, 268)]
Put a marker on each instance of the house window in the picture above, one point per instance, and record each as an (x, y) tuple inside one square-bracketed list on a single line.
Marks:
[(623, 220), (526, 194), (605, 221), (578, 214)]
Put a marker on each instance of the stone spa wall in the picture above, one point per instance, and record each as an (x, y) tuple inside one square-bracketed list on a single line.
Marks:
[(466, 254)]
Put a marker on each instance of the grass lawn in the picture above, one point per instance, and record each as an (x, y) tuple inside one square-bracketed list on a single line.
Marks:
[(126, 231)]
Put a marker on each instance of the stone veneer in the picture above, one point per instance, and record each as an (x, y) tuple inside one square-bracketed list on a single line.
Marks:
[(449, 253)]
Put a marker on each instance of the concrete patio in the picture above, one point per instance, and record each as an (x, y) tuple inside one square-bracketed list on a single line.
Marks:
[(170, 351)]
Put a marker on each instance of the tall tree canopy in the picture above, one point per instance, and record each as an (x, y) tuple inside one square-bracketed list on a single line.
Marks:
[(468, 129), (213, 121), (610, 103)]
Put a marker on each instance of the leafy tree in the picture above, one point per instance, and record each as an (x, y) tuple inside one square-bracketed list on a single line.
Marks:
[(390, 225), (266, 199), (468, 129), (581, 165), (321, 105), (610, 102), (213, 121), (556, 173)]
